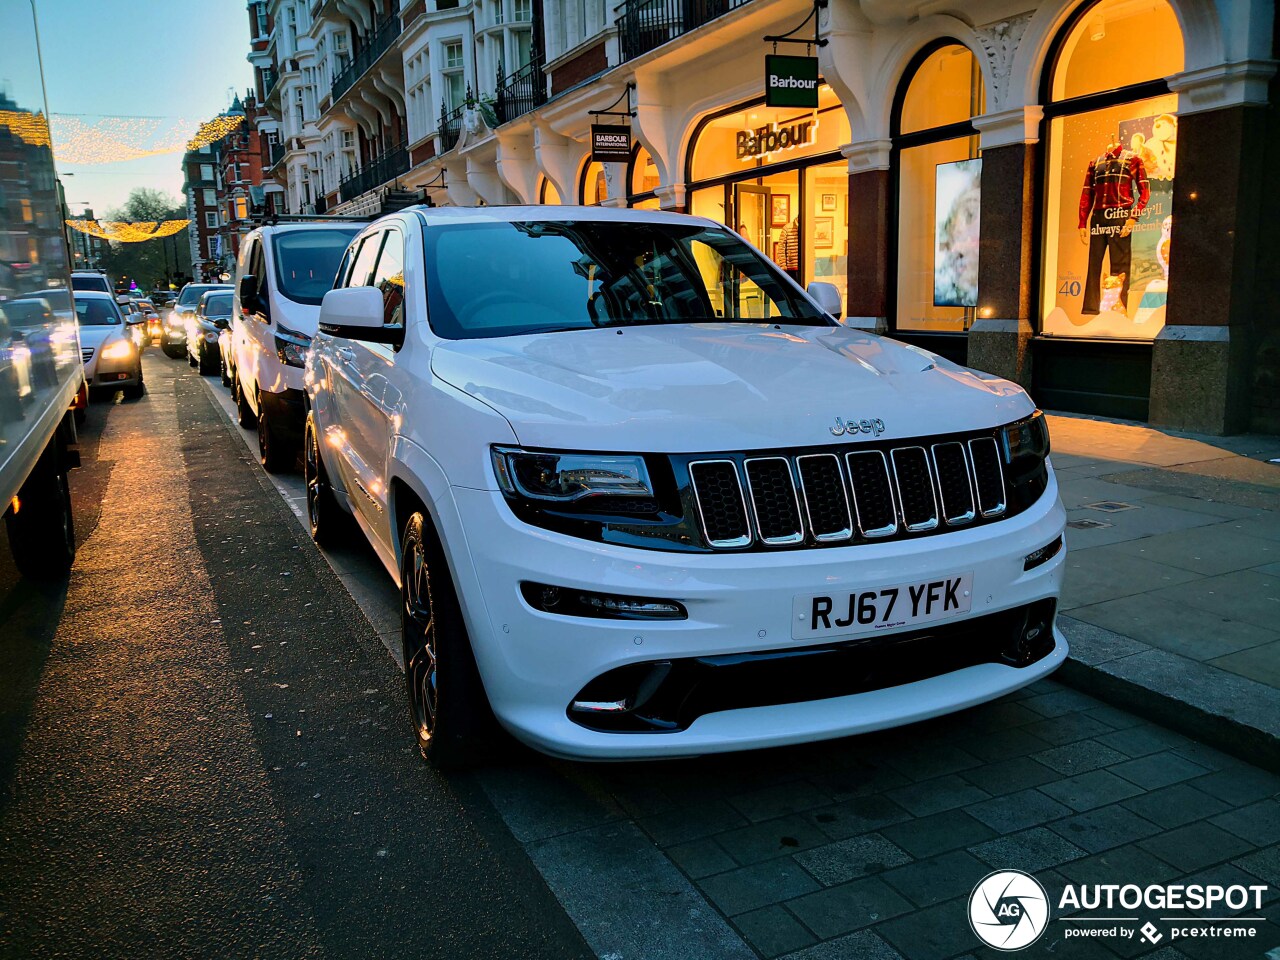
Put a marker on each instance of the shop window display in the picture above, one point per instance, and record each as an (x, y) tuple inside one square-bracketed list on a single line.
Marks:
[(1110, 212), (939, 197), (595, 189)]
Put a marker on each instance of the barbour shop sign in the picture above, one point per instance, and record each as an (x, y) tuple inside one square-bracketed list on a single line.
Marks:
[(610, 143), (790, 81), (771, 138)]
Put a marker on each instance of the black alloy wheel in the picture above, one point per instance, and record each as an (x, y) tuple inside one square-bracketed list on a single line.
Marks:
[(244, 413), (450, 713), (328, 522), (275, 454), (41, 529)]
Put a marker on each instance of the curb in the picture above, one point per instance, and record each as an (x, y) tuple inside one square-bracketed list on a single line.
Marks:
[(1229, 712)]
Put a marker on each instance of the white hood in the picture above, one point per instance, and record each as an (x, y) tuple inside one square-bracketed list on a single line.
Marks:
[(719, 387), (95, 335)]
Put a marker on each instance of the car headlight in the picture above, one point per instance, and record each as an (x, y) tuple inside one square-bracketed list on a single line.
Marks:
[(291, 346), (570, 477), (119, 350), (1024, 446)]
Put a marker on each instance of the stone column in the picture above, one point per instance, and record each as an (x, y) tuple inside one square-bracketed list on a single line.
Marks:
[(869, 213), (1202, 364), (1000, 339)]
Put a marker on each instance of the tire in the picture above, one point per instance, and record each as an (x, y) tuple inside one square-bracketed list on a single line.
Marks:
[(192, 362), (42, 535), (244, 413), (136, 391), (172, 352), (275, 454), (452, 721), (330, 525), (223, 371), (81, 415), (205, 365)]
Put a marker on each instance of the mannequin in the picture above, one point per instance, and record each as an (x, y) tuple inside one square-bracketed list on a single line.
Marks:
[(1109, 208)]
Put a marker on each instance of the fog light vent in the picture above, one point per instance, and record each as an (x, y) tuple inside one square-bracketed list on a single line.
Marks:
[(571, 602), (1043, 555)]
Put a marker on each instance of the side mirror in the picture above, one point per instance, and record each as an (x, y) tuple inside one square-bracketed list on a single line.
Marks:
[(222, 323), (827, 296), (355, 313), (248, 291)]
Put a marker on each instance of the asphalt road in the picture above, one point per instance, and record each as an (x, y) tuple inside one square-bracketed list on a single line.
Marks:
[(194, 748)]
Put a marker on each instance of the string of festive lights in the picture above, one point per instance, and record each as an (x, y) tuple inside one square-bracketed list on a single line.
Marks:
[(100, 140), (129, 232)]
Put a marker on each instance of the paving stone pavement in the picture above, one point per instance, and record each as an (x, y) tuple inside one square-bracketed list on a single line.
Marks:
[(869, 847)]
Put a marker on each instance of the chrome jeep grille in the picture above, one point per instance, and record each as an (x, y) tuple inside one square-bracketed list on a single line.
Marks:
[(825, 498), (86, 354)]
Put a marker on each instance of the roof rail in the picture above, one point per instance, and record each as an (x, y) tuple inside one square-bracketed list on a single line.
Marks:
[(271, 220)]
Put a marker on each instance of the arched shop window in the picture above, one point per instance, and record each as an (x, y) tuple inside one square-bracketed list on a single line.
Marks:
[(1109, 167), (939, 176), (776, 175), (547, 192), (592, 188), (642, 180)]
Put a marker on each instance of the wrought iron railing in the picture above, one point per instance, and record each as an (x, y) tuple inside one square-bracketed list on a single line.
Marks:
[(450, 126), (375, 173), (520, 92), (647, 24), (375, 45)]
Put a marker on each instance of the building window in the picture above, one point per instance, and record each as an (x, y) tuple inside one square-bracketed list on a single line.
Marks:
[(210, 198), (939, 179), (547, 193), (593, 188), (206, 171), (454, 81), (211, 219), (773, 175), (1109, 198), (523, 11), (260, 19)]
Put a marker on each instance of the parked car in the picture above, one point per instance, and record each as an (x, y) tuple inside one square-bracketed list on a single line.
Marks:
[(212, 316), (137, 321), (91, 280), (107, 345), (645, 497), (283, 273), (155, 325), (173, 339)]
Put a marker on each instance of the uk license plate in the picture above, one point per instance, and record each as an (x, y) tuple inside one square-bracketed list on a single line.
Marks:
[(875, 609)]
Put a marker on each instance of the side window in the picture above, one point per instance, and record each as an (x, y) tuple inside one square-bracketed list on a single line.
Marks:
[(246, 257), (366, 257), (388, 277)]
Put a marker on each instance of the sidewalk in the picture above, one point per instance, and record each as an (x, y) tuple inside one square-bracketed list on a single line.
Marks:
[(1172, 594)]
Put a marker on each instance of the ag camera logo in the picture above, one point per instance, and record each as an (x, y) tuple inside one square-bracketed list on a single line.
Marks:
[(1008, 910)]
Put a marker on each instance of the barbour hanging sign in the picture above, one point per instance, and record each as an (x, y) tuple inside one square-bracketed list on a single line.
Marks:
[(610, 142), (790, 81)]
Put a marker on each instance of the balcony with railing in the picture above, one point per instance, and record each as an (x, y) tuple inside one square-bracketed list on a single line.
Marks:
[(644, 25), (375, 173), (276, 154), (519, 92), (450, 125), (375, 45)]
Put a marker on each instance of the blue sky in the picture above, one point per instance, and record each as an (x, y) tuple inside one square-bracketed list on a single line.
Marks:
[(152, 58)]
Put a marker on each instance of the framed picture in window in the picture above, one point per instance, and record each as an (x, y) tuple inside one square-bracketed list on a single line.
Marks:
[(824, 231), (828, 202), (780, 209)]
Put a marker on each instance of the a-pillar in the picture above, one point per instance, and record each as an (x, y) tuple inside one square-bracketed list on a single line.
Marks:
[(869, 212), (999, 341), (1203, 363)]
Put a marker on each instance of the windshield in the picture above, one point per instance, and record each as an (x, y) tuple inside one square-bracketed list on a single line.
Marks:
[(26, 313), (218, 305), (505, 279), (96, 313), (192, 293), (90, 283), (307, 260)]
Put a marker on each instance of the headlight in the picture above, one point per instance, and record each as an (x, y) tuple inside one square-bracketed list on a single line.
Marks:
[(120, 350), (1025, 448), (570, 477), (292, 346)]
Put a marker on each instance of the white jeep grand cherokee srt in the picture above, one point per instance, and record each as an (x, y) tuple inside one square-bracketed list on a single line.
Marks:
[(644, 497)]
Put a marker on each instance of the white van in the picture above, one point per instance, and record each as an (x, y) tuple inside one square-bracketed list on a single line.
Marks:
[(283, 274)]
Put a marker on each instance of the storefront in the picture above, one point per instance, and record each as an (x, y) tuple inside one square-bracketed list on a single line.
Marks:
[(1108, 219), (776, 176)]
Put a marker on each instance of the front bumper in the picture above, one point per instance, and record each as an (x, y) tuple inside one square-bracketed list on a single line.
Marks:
[(535, 664), (112, 372)]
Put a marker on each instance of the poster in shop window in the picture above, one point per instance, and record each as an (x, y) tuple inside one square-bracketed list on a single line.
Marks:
[(1154, 139), (957, 207)]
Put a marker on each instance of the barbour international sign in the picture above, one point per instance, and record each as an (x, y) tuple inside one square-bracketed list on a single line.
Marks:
[(610, 143), (790, 81)]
